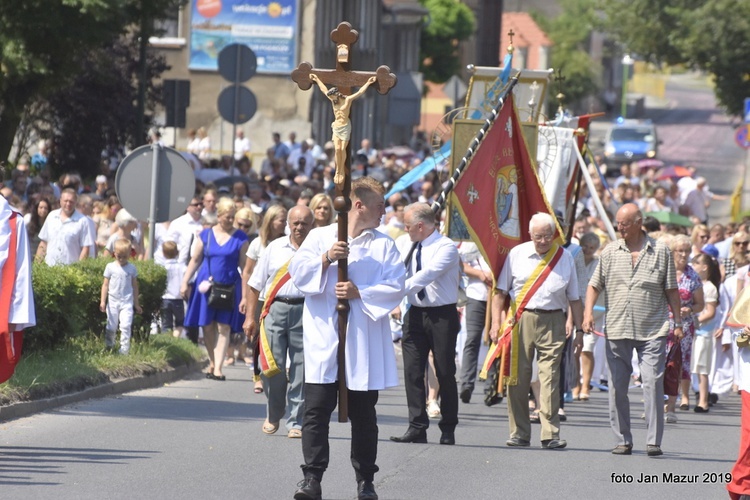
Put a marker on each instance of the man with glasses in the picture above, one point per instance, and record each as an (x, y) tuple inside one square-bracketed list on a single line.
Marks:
[(430, 324), (639, 279), (540, 277), (183, 230)]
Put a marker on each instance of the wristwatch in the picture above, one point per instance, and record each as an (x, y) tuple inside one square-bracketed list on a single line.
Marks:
[(330, 261), (678, 325), (580, 330)]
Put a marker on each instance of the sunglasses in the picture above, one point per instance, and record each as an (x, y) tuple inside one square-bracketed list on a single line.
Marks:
[(740, 243), (196, 204)]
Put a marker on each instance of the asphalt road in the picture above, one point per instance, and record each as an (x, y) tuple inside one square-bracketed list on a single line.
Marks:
[(198, 439)]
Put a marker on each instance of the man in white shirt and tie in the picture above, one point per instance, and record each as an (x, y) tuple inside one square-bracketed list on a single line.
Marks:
[(430, 324)]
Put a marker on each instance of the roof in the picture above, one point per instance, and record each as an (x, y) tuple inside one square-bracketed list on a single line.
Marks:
[(526, 32)]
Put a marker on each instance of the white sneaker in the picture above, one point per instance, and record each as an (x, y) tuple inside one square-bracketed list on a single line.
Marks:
[(670, 418), (433, 410)]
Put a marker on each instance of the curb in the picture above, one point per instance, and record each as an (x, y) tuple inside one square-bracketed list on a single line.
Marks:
[(24, 409)]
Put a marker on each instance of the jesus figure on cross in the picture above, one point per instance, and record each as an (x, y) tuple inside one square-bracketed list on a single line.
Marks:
[(341, 126)]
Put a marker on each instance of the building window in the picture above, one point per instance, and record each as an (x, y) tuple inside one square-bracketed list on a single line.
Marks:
[(169, 31)]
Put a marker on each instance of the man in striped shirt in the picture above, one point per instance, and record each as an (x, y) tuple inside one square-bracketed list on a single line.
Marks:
[(639, 279)]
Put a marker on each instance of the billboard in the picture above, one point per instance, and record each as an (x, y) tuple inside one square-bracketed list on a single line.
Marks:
[(269, 28)]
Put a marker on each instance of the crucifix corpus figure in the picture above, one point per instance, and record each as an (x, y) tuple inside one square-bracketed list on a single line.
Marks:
[(341, 126)]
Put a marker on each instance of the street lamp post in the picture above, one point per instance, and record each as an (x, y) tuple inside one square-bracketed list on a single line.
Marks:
[(627, 62)]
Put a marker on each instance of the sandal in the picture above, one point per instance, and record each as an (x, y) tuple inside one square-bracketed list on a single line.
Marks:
[(258, 389), (229, 362), (583, 397), (269, 428)]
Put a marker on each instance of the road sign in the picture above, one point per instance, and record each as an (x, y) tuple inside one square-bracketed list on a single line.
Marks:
[(747, 109), (742, 137), (237, 99), (175, 183), (237, 63)]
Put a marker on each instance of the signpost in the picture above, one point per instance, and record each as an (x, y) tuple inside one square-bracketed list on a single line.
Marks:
[(156, 184), (236, 103)]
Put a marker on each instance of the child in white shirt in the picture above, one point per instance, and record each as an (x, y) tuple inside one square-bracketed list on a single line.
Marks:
[(172, 307), (120, 296)]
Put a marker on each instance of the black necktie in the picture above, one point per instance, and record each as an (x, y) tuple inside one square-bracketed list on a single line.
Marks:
[(420, 294)]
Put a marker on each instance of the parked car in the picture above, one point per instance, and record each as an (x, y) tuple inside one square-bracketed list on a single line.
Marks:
[(630, 140)]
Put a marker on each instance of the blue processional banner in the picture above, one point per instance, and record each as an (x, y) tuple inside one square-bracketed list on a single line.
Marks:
[(269, 28)]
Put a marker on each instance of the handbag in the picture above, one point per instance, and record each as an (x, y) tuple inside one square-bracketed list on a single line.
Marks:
[(221, 295), (673, 370)]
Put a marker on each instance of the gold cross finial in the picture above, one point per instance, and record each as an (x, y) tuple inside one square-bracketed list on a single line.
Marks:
[(559, 79), (511, 34)]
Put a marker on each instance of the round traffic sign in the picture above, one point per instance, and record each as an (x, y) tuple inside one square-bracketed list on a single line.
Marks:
[(237, 63), (237, 99), (175, 183), (742, 137)]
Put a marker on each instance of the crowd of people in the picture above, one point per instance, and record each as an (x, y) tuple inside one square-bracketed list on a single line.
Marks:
[(251, 269)]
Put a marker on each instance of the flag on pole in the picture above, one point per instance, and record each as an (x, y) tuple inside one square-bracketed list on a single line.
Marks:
[(488, 194)]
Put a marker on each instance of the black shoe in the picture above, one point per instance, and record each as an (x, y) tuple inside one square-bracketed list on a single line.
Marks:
[(517, 442), (552, 444), (308, 489), (700, 409), (366, 490), (448, 438), (466, 395), (493, 400), (411, 436), (712, 399), (654, 450)]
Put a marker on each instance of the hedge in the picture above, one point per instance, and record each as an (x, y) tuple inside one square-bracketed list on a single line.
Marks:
[(67, 301)]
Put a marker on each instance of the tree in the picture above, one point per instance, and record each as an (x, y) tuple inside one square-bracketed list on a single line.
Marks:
[(718, 41), (41, 42), (711, 35), (97, 109), (571, 32), (450, 23)]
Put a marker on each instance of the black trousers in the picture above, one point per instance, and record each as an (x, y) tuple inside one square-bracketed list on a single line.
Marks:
[(476, 311), (320, 401), (431, 329)]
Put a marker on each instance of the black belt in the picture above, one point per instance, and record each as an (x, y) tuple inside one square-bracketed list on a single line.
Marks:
[(543, 311), (292, 301)]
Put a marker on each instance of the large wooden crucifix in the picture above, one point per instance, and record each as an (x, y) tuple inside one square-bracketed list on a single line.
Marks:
[(337, 85)]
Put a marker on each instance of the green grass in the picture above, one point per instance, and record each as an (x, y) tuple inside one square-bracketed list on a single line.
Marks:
[(83, 362)]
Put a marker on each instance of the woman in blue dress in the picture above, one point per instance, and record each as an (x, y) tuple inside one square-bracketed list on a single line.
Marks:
[(218, 253)]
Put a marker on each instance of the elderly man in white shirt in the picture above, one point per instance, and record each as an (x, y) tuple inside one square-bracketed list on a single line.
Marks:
[(540, 315), (430, 324), (65, 234), (375, 287), (281, 324)]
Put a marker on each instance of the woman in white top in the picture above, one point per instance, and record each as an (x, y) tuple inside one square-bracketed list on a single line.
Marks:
[(708, 322), (272, 227)]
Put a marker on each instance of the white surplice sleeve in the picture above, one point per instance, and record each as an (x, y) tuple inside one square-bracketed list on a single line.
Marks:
[(306, 267), (382, 296)]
